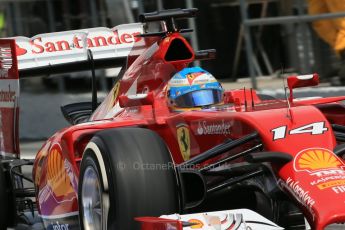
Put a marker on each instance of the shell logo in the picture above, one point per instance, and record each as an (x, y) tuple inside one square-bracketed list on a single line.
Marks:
[(56, 174), (197, 224), (316, 159), (39, 159)]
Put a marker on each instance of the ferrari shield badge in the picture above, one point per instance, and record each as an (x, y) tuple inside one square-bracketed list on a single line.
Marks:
[(183, 139), (116, 90), (191, 77)]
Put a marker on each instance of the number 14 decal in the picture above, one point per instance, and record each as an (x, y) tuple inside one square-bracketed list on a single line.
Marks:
[(313, 128)]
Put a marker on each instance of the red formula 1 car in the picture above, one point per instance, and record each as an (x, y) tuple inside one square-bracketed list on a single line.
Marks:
[(133, 157)]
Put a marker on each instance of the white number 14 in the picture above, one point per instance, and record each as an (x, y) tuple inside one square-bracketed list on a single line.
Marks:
[(314, 129)]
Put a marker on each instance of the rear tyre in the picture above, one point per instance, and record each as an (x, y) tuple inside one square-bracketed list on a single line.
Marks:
[(3, 199), (125, 173)]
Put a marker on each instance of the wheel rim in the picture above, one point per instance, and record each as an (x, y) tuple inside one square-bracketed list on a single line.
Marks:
[(91, 200)]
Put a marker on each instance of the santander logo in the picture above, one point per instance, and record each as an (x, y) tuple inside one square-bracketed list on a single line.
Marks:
[(20, 51), (41, 44), (213, 128)]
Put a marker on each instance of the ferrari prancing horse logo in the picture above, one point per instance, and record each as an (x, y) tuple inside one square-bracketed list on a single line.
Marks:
[(116, 90), (191, 77), (183, 140)]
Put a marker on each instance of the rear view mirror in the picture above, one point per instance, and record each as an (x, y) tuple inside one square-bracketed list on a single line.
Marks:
[(301, 81)]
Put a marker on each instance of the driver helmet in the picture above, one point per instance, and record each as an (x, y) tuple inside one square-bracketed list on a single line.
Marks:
[(193, 88)]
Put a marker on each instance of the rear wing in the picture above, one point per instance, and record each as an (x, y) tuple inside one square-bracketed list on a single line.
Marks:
[(66, 51), (54, 53)]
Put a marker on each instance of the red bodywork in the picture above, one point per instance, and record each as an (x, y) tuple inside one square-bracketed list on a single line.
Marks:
[(313, 178)]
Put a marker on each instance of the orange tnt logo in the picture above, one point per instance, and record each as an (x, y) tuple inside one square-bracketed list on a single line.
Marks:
[(316, 159)]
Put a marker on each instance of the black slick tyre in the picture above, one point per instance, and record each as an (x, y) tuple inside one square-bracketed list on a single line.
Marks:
[(135, 177)]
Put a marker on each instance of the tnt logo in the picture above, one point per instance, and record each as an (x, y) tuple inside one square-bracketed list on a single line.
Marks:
[(328, 172)]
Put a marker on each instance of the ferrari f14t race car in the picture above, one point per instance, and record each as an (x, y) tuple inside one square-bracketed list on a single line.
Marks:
[(248, 162)]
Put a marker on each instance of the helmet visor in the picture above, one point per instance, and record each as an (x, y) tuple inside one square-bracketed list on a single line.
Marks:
[(199, 98)]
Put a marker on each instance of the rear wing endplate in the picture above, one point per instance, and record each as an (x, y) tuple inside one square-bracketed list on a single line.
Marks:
[(9, 95)]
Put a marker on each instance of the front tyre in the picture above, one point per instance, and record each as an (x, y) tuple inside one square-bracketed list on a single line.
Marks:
[(125, 173), (91, 195)]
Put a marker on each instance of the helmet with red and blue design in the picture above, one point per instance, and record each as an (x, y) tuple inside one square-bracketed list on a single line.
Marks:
[(193, 88)]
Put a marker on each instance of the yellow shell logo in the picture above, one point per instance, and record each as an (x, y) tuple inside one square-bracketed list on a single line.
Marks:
[(197, 224), (39, 159), (183, 140), (56, 174), (316, 159)]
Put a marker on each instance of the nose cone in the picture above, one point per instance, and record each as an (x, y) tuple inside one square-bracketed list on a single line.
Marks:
[(329, 216), (316, 179)]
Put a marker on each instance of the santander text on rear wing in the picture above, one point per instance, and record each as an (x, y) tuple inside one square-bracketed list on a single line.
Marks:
[(67, 51)]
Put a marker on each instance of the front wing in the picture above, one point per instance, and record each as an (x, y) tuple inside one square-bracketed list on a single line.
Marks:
[(237, 219)]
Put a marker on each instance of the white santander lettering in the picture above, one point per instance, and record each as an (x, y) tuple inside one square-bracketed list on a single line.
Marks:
[(37, 48), (213, 128), (40, 46)]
